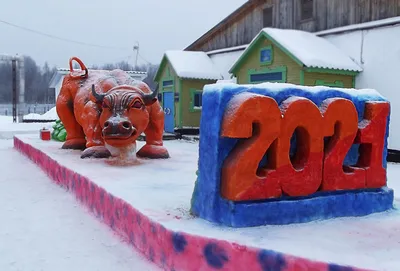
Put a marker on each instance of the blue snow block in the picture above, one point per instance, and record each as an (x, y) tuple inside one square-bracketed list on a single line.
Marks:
[(207, 202)]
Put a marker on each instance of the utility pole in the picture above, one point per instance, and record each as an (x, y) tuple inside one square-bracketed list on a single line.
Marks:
[(14, 88), (136, 47)]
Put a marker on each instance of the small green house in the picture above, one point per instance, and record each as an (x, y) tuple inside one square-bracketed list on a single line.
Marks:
[(294, 56), (181, 77)]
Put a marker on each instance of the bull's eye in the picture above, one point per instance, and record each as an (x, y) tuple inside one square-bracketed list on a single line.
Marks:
[(137, 104)]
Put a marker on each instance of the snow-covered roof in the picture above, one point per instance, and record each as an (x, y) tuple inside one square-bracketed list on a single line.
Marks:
[(308, 49), (311, 50), (361, 26), (228, 49), (61, 72), (57, 76), (193, 65), (223, 61)]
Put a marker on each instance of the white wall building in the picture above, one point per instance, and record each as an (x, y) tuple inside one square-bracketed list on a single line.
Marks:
[(375, 46)]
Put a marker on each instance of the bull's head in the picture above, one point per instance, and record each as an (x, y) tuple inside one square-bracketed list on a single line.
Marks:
[(124, 114)]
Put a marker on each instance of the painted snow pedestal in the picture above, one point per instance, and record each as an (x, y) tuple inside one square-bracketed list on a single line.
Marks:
[(282, 154), (104, 112)]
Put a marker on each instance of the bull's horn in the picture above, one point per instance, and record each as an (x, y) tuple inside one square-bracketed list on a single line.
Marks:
[(151, 97), (99, 97)]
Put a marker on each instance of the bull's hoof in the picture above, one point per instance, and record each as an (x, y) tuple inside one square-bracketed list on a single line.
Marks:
[(153, 152), (75, 144), (96, 152)]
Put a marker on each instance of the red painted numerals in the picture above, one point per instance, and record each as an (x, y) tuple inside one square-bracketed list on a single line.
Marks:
[(371, 136), (256, 118), (264, 127), (341, 124)]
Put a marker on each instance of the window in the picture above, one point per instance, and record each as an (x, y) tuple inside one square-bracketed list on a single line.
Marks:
[(196, 100), (268, 75), (306, 9), (168, 83), (268, 17), (266, 55)]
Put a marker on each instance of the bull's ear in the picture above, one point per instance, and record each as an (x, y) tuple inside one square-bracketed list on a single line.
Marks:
[(149, 102), (151, 98)]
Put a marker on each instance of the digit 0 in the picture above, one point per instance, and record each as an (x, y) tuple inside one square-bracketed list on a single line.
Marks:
[(301, 176)]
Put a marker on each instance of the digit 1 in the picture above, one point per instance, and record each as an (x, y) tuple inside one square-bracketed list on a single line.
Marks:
[(371, 135), (340, 122), (256, 118), (303, 176)]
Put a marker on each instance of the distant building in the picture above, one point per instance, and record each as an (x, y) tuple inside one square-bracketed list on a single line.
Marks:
[(366, 31), (181, 78), (241, 26), (58, 77), (297, 57)]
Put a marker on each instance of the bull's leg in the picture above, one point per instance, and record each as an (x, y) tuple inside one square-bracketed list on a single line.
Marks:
[(95, 145), (154, 148), (65, 110)]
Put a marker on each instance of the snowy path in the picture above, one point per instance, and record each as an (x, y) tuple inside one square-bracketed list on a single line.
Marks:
[(44, 228)]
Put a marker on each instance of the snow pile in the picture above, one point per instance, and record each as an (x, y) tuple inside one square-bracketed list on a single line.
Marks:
[(196, 65), (49, 115)]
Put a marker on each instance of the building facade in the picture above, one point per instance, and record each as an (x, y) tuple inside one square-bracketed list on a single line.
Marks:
[(240, 27), (181, 78)]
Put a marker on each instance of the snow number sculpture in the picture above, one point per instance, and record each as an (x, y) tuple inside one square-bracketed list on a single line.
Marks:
[(281, 154)]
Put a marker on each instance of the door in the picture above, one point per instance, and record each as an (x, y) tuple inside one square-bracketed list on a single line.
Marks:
[(169, 120)]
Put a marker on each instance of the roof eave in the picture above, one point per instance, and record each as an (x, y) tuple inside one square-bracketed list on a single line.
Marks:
[(159, 70), (333, 70), (200, 78)]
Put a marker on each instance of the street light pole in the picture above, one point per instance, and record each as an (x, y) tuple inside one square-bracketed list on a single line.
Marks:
[(136, 47)]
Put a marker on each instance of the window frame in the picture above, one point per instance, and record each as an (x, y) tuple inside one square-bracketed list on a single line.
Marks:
[(272, 55), (272, 16), (282, 69), (301, 11), (168, 80), (193, 93)]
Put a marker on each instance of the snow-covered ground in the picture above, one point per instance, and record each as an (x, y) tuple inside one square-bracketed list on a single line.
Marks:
[(38, 213), (8, 129), (44, 228), (371, 242)]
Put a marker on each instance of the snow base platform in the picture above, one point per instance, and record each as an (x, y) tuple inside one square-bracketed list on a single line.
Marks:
[(148, 206)]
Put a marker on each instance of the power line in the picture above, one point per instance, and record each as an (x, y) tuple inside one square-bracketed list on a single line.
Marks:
[(148, 62), (60, 38)]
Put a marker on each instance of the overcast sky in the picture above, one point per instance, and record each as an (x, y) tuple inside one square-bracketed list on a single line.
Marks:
[(157, 25)]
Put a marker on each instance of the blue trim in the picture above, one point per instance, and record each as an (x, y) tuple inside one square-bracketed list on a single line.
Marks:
[(207, 202)]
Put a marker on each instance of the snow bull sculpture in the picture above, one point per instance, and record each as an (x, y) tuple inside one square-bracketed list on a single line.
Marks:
[(104, 112)]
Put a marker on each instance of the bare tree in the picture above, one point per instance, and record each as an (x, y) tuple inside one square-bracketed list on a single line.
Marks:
[(37, 79)]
